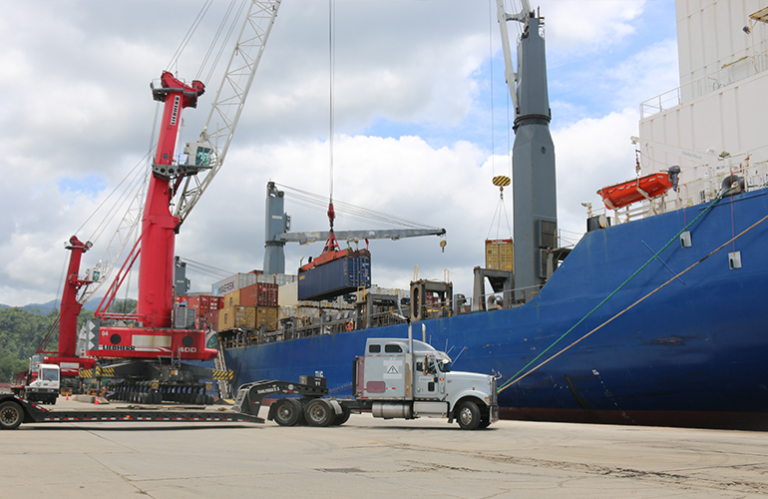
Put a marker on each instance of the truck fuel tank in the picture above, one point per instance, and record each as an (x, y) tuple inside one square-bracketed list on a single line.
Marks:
[(391, 410)]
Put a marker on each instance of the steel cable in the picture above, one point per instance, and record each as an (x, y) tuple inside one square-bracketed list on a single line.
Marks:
[(515, 378)]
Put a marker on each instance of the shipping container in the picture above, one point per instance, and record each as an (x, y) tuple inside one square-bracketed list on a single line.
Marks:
[(500, 254), (259, 295), (232, 299), (232, 317), (336, 277), (268, 317), (234, 283)]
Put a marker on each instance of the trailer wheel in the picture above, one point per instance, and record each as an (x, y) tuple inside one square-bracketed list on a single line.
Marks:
[(287, 412), (11, 415), (468, 416), (319, 412), (342, 418)]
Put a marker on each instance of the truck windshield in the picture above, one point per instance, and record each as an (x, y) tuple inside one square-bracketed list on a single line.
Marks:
[(445, 366), (50, 375)]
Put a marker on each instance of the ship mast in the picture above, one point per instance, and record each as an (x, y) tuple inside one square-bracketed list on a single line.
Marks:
[(533, 159)]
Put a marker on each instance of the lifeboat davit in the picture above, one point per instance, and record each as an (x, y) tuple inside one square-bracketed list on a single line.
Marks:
[(647, 187)]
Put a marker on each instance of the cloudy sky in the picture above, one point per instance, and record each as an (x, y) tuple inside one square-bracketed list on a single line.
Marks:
[(421, 119)]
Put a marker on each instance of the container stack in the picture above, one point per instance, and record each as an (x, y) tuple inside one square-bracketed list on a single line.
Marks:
[(207, 307), (250, 307)]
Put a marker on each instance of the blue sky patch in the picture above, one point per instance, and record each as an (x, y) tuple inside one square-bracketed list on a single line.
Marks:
[(90, 184)]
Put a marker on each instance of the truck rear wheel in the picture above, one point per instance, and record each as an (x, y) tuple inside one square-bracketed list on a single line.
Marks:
[(468, 415), (342, 418), (287, 412), (319, 412), (11, 415)]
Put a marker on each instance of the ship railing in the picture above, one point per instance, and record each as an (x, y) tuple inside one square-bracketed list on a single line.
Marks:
[(317, 326), (739, 69), (706, 186), (498, 301)]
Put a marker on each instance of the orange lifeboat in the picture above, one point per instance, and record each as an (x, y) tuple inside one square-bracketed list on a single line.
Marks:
[(623, 194)]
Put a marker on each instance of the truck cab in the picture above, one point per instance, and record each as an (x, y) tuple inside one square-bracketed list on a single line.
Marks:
[(409, 379), (45, 388)]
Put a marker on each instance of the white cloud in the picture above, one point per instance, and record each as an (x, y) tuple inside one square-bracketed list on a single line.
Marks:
[(75, 102), (588, 26), (591, 154)]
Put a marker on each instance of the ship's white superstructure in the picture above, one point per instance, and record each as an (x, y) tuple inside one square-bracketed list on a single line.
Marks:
[(714, 124)]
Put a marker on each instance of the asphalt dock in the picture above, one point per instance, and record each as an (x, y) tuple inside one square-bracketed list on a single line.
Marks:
[(374, 458)]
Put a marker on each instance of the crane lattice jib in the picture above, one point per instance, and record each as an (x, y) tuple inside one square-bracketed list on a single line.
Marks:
[(230, 98)]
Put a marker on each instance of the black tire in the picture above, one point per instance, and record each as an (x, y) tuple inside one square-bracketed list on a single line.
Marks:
[(11, 415), (342, 418), (287, 412), (468, 416), (319, 412), (485, 422)]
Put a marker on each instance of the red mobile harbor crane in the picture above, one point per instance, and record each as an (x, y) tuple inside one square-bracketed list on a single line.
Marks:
[(65, 356), (148, 355), (146, 358)]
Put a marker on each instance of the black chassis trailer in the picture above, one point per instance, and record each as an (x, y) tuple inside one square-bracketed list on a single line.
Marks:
[(310, 407), (15, 410)]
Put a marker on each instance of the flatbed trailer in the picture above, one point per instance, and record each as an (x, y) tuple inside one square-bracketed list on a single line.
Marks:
[(15, 411)]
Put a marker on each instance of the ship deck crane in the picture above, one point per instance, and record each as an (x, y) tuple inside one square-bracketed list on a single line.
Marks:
[(277, 224)]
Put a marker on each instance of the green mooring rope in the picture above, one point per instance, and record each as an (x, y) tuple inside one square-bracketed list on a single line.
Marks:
[(654, 257)]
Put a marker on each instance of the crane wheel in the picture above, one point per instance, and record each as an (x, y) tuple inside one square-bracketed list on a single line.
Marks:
[(11, 415), (319, 412)]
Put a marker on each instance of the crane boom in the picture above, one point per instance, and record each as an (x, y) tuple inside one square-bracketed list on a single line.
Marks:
[(216, 136), (509, 69), (394, 234)]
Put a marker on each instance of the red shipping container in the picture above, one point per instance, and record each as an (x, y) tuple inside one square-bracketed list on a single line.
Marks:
[(259, 295)]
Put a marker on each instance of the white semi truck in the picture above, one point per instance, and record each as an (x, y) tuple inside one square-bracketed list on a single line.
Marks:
[(396, 378)]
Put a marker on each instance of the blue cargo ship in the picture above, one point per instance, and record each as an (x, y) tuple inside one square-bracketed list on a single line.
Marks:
[(654, 321), (691, 354)]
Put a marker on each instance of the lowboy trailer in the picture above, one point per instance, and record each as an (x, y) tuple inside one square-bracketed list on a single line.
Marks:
[(15, 410)]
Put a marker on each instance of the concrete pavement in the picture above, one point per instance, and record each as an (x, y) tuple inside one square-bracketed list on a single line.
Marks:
[(370, 457)]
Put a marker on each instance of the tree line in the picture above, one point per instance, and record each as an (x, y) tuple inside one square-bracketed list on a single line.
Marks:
[(21, 333)]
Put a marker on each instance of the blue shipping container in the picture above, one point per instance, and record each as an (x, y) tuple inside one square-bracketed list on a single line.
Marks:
[(337, 277)]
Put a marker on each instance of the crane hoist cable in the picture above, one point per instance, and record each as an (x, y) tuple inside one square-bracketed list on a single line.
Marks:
[(190, 32), (213, 44), (317, 202), (490, 59), (225, 42), (331, 74)]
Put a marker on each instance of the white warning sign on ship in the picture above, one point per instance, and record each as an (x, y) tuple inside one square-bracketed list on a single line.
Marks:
[(393, 369)]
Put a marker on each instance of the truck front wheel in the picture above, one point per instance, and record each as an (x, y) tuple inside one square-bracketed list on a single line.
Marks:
[(319, 412), (468, 416), (287, 412), (11, 415)]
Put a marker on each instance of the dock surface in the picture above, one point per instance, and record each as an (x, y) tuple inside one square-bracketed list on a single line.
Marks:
[(375, 458)]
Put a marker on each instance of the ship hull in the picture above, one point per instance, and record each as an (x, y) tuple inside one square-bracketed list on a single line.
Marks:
[(693, 353)]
